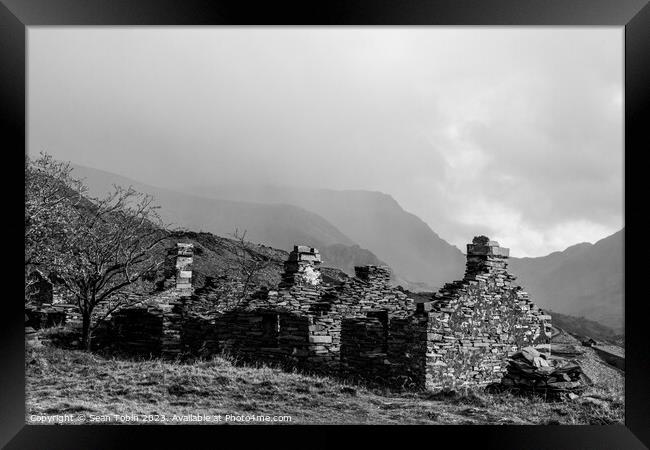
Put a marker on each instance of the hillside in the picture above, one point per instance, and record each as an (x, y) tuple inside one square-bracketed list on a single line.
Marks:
[(584, 328), (375, 221), (585, 280), (277, 225), (215, 256)]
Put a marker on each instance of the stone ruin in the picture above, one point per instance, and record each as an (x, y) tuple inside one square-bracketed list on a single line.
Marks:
[(360, 328), (302, 323), (184, 261), (474, 324), (39, 311), (40, 290), (153, 326)]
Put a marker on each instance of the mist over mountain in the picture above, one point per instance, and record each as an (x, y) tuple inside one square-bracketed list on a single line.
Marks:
[(276, 225), (372, 219), (585, 280), (366, 227)]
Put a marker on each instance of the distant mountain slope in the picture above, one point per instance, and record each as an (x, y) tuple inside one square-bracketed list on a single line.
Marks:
[(583, 328), (277, 225), (345, 257), (584, 280), (372, 219)]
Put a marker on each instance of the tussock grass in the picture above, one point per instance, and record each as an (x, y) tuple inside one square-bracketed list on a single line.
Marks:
[(61, 380)]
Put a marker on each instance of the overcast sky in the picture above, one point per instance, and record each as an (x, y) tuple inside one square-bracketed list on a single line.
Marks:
[(516, 133)]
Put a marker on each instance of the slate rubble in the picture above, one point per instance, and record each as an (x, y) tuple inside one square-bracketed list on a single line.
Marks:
[(556, 377)]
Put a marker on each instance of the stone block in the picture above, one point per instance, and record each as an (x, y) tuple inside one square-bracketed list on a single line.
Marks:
[(320, 339), (308, 257), (304, 249)]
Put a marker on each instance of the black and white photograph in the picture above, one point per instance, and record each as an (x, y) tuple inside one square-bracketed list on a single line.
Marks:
[(329, 225)]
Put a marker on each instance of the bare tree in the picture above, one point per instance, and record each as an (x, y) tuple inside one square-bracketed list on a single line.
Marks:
[(250, 263), (98, 249), (51, 193), (113, 244)]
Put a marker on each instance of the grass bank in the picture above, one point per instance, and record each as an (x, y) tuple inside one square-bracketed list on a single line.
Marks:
[(65, 381)]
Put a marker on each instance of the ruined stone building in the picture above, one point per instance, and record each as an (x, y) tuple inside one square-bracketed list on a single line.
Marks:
[(473, 324), (309, 323), (361, 327), (153, 325)]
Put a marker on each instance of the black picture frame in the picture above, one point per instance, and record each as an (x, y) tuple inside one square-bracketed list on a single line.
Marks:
[(634, 15)]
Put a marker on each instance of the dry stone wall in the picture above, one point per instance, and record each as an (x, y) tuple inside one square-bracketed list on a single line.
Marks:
[(388, 351), (300, 323)]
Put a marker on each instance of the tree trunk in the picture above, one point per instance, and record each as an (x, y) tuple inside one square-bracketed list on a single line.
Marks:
[(85, 331)]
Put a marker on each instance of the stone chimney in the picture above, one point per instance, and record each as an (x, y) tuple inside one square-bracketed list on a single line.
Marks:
[(302, 267), (184, 261), (485, 258), (376, 275)]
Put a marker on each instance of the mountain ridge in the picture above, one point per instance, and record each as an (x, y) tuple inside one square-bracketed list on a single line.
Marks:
[(360, 227), (280, 226), (583, 280), (373, 219)]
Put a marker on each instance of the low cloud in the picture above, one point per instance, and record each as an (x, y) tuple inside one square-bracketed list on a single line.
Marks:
[(512, 132)]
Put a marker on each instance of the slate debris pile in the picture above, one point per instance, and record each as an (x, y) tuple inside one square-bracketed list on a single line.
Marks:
[(554, 376)]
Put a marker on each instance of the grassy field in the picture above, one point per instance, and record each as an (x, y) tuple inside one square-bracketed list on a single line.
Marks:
[(64, 381)]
